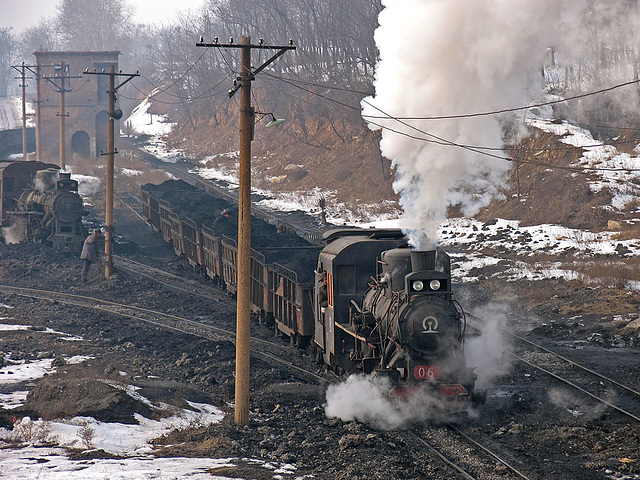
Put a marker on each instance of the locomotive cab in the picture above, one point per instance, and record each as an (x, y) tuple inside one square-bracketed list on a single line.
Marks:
[(348, 265)]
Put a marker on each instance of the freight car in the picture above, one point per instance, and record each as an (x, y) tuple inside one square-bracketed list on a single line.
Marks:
[(40, 203), (361, 302)]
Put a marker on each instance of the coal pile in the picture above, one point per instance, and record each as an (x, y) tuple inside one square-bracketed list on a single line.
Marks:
[(276, 243)]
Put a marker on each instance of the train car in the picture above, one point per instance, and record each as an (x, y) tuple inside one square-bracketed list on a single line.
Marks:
[(39, 203), (211, 254), (364, 302)]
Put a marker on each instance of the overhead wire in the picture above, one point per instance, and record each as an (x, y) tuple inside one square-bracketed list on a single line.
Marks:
[(482, 150), (507, 110)]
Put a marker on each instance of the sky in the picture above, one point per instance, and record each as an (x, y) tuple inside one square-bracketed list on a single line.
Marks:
[(27, 13)]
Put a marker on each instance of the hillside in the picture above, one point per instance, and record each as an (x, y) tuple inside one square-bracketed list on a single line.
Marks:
[(346, 166), (337, 158)]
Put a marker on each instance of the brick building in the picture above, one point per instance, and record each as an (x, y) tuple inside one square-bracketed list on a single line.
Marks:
[(86, 102)]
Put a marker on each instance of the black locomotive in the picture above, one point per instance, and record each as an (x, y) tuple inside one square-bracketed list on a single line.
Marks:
[(361, 302), (390, 312), (40, 203)]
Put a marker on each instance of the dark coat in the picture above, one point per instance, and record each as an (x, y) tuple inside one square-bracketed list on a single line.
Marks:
[(90, 248)]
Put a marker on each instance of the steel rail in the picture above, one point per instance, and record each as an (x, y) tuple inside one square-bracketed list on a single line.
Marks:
[(567, 360), (489, 452), (129, 206), (142, 269), (577, 387), (77, 300), (574, 364), (442, 457)]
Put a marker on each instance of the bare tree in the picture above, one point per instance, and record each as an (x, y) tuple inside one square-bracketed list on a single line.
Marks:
[(94, 24), (42, 37), (8, 50)]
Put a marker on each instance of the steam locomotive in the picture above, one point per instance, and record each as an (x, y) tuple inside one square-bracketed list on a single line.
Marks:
[(361, 302), (40, 203)]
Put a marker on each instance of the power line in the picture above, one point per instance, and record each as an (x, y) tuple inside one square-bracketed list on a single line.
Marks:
[(506, 110)]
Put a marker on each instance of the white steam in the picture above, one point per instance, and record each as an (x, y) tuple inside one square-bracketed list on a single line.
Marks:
[(579, 407), (88, 185), (367, 400), (458, 57), (488, 353), (16, 232)]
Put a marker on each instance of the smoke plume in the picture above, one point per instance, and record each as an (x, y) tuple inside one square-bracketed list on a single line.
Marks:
[(367, 400), (488, 353), (16, 232), (457, 57)]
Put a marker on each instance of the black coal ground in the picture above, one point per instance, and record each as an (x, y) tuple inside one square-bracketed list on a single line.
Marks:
[(288, 421)]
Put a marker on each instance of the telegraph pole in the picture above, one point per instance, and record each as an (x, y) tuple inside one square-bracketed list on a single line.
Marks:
[(62, 114), (38, 112), (243, 295), (111, 151), (37, 75), (25, 155), (22, 70)]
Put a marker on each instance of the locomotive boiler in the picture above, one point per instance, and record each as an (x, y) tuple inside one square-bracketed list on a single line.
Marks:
[(39, 203), (421, 327)]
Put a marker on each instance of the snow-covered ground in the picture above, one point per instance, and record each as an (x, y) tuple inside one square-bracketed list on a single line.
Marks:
[(614, 170), (610, 168), (26, 452), (11, 113)]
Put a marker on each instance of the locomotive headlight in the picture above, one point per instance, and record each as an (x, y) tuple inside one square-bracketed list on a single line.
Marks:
[(434, 285), (418, 285)]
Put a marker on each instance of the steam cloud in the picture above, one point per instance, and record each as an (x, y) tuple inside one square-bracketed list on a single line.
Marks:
[(367, 400), (458, 57), (488, 352), (16, 232)]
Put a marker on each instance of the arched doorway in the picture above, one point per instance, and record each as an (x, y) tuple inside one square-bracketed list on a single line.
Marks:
[(102, 124), (81, 144)]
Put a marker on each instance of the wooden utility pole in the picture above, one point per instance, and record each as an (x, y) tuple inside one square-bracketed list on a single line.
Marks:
[(62, 116), (62, 90), (23, 84), (108, 237), (37, 75), (110, 153), (38, 114), (243, 295)]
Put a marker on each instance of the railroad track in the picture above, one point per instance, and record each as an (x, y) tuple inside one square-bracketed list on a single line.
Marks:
[(167, 279), (581, 378), (164, 320), (467, 457)]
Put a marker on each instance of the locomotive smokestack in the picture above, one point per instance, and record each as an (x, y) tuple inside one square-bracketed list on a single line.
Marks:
[(45, 179), (423, 260)]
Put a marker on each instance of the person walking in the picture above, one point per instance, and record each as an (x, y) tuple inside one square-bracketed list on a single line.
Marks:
[(90, 253)]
